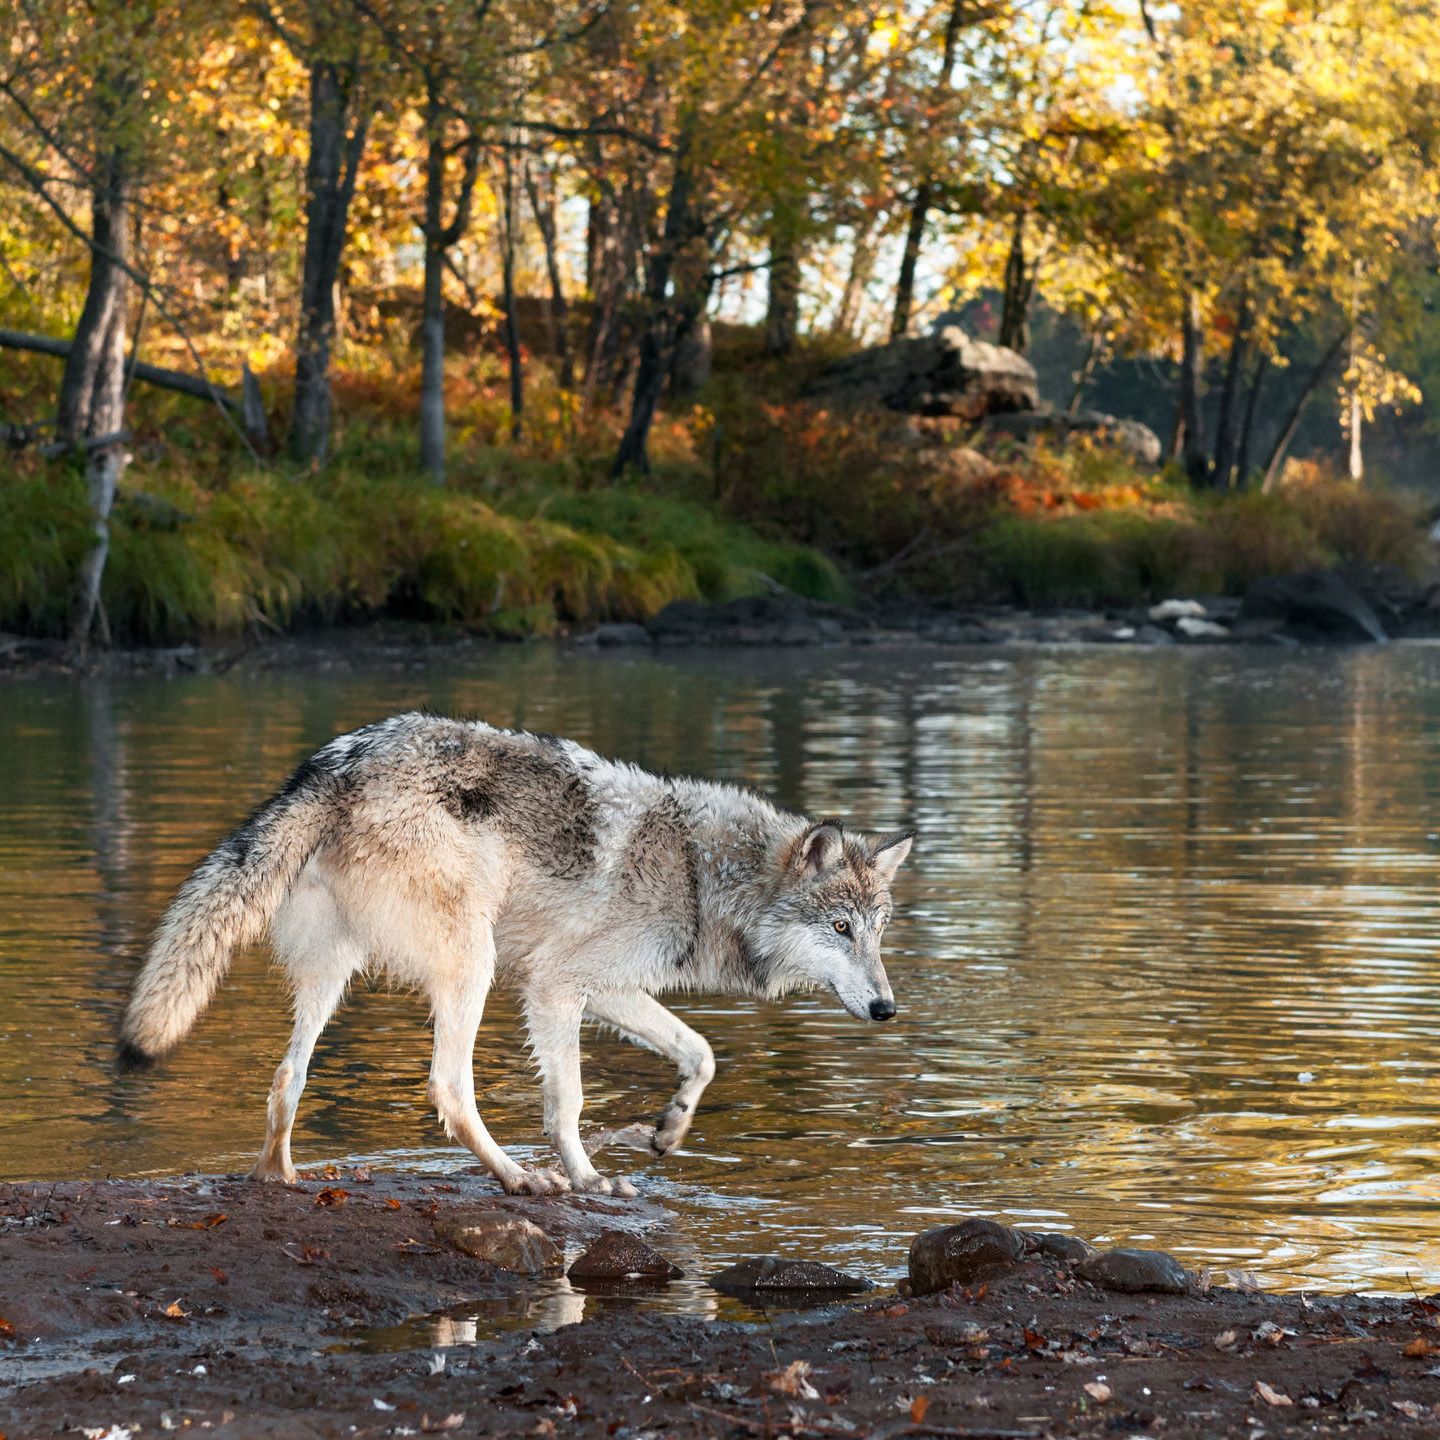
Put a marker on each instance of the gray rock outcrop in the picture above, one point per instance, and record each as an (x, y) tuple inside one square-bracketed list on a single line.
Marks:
[(943, 373)]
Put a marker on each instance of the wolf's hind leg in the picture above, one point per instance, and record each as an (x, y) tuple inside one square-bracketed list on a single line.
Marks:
[(457, 995), (320, 959), (643, 1020), (553, 1020)]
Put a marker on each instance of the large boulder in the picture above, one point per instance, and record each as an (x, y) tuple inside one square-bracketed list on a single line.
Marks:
[(943, 373), (1130, 437), (772, 1272), (962, 1254), (1315, 604)]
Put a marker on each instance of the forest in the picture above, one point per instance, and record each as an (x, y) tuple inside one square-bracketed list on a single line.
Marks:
[(504, 314)]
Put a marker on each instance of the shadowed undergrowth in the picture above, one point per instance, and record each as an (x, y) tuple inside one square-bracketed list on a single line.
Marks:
[(751, 490)]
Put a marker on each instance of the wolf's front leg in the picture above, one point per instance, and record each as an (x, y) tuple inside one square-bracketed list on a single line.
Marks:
[(643, 1020), (553, 1019)]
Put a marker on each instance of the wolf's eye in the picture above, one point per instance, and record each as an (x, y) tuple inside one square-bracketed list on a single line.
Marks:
[(842, 927)]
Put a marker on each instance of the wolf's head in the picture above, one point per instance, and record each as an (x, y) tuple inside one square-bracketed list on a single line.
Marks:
[(829, 912)]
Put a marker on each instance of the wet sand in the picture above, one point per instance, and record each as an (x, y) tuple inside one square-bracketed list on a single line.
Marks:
[(145, 1306)]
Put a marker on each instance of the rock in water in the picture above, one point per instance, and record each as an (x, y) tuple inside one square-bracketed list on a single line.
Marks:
[(617, 1257), (771, 1272), (1135, 1271), (1313, 603), (963, 1254), (943, 373), (507, 1242)]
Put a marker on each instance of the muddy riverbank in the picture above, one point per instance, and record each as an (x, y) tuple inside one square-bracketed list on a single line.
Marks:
[(339, 1306)]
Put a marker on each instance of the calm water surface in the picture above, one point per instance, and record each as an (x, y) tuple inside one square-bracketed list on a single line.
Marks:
[(1165, 954)]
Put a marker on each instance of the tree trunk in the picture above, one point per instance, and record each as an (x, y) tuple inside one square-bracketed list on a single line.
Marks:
[(1276, 460), (690, 363), (862, 260), (782, 306), (1015, 300), (1247, 427), (92, 392), (432, 319), (542, 204), (925, 191), (507, 277), (1083, 374), (1192, 413), (338, 122), (104, 297), (1228, 421), (667, 320), (610, 265), (909, 259), (1354, 416)]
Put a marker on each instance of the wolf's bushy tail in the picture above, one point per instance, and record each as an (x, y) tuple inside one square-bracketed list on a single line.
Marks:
[(227, 902)]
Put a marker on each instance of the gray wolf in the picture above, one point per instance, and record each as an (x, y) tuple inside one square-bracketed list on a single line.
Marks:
[(453, 855)]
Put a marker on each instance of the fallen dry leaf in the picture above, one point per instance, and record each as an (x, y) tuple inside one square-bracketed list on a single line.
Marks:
[(447, 1422), (309, 1255), (1419, 1348), (918, 1406), (1225, 1340), (1270, 1395), (1409, 1408), (207, 1222), (175, 1312), (1098, 1391), (332, 1195), (221, 1278), (7, 1330), (393, 1204), (791, 1381)]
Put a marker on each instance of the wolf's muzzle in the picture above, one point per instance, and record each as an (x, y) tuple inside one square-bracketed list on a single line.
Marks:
[(882, 1009)]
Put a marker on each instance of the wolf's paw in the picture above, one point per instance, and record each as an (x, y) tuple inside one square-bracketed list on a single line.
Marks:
[(536, 1182), (603, 1185), (672, 1125), (273, 1174)]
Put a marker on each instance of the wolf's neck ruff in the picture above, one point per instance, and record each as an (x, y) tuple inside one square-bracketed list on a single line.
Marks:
[(450, 853)]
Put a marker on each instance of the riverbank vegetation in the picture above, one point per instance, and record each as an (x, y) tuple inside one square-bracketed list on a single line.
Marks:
[(502, 316)]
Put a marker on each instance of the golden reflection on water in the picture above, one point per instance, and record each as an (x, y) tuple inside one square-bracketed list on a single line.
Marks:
[(1165, 952)]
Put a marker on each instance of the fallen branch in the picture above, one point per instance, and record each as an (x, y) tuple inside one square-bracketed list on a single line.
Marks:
[(176, 380)]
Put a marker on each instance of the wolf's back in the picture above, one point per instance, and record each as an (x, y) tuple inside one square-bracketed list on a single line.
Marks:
[(227, 902)]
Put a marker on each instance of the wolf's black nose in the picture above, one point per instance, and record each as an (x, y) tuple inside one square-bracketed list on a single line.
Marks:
[(882, 1009)]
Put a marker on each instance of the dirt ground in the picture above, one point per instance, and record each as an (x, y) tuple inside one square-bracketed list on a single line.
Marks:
[(133, 1307)]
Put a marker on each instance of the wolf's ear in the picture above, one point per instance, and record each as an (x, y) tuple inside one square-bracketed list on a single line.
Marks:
[(820, 847), (888, 851)]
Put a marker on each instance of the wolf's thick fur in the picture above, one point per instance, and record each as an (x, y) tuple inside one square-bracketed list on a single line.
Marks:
[(451, 853)]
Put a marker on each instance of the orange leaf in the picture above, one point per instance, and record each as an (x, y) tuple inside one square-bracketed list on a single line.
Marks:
[(918, 1406), (393, 1204), (332, 1196)]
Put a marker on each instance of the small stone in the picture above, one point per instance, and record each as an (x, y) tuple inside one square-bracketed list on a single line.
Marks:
[(1069, 1248), (507, 1242), (771, 1272), (616, 1256), (965, 1253), (1134, 1271), (1193, 628), (1176, 610)]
